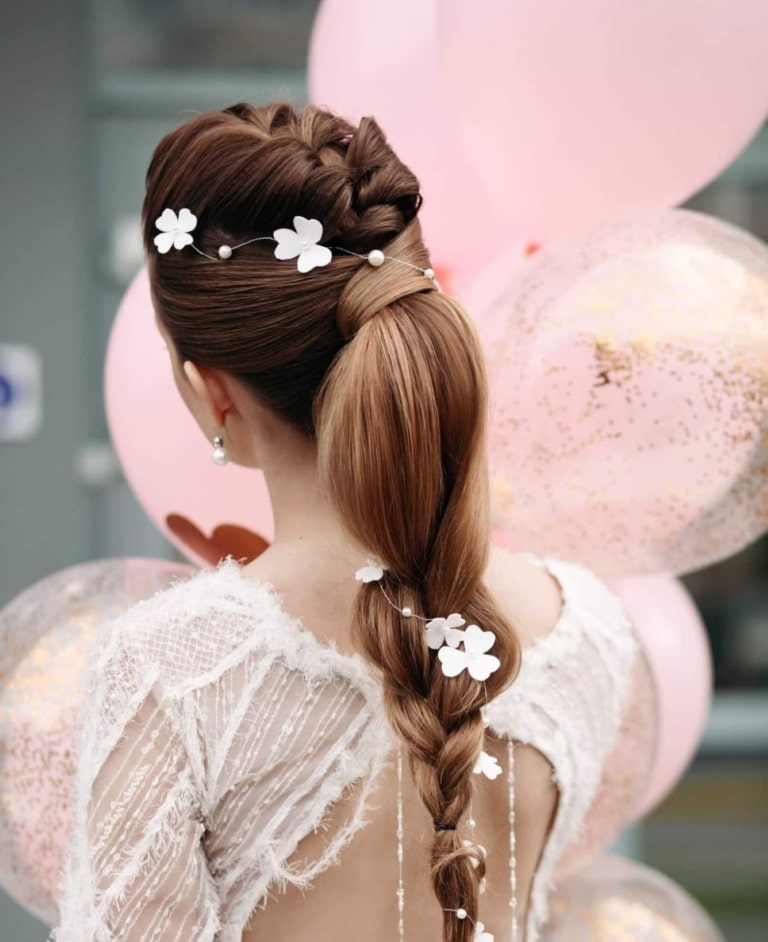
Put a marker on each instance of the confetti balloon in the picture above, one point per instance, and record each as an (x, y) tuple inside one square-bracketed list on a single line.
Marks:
[(615, 899), (629, 380), (46, 634)]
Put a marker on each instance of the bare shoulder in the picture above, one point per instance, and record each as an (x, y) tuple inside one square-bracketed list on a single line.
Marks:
[(529, 596)]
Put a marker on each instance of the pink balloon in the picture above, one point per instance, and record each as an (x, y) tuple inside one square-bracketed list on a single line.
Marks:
[(629, 417), (676, 645), (480, 289), (206, 510), (391, 71), (571, 112)]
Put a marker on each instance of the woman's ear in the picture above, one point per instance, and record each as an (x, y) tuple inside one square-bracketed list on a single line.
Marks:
[(212, 391)]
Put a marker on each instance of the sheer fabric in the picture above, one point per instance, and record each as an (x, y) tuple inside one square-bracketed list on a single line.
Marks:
[(219, 732)]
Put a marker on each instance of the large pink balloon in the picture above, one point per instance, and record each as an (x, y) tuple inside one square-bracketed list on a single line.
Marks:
[(46, 636), (676, 646), (629, 382), (381, 59), (206, 510), (574, 111)]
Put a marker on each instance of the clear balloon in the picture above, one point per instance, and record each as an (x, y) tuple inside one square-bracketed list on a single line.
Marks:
[(675, 642), (209, 512), (570, 112), (629, 381), (616, 899), (392, 72), (46, 635)]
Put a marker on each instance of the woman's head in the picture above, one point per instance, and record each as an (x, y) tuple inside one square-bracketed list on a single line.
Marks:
[(381, 372), (245, 172)]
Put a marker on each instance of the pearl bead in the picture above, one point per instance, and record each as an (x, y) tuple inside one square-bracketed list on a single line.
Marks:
[(471, 822), (225, 251), (461, 914), (429, 273), (406, 612), (376, 258), (220, 454)]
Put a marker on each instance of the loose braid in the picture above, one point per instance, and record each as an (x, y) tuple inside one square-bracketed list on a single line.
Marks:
[(386, 373)]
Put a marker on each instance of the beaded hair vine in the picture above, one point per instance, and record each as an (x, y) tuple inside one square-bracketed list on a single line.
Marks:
[(302, 243), (445, 635)]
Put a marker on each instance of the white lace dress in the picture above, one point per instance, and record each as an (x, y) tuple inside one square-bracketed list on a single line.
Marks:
[(219, 731)]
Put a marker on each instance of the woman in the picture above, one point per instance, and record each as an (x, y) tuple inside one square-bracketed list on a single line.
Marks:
[(262, 728)]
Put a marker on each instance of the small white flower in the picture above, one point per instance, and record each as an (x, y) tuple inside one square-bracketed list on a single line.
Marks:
[(488, 766), (302, 243), (174, 230), (373, 571), (473, 658), (479, 850), (442, 631), (481, 935)]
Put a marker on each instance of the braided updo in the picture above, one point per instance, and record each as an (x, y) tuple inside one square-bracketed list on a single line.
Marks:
[(385, 373)]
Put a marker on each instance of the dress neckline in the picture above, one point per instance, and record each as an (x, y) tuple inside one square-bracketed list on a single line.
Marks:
[(539, 650)]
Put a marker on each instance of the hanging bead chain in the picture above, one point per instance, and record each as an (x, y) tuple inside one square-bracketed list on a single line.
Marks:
[(399, 832), (512, 839), (461, 913)]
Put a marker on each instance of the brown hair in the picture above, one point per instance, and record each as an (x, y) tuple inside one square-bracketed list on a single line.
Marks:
[(385, 372)]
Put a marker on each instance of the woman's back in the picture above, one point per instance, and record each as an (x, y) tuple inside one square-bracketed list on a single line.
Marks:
[(359, 897), (266, 756)]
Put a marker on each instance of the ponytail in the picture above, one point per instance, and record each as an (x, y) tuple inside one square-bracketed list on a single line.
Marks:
[(400, 425)]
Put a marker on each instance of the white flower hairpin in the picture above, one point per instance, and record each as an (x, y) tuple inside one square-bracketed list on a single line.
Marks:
[(302, 243), (480, 934), (175, 231), (442, 631), (487, 765), (372, 571), (473, 659)]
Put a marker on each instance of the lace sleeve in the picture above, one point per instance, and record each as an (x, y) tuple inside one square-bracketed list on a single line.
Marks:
[(136, 870)]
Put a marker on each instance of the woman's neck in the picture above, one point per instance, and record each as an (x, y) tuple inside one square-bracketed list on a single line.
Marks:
[(304, 518)]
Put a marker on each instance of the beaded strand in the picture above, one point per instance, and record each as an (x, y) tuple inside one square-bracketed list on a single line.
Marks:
[(399, 832), (512, 838)]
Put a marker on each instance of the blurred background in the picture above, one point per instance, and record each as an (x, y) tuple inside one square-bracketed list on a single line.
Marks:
[(87, 90)]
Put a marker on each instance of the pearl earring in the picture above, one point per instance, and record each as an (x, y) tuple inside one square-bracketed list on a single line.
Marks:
[(220, 454)]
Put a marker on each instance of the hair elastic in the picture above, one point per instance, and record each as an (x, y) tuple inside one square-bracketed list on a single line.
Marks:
[(444, 827)]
